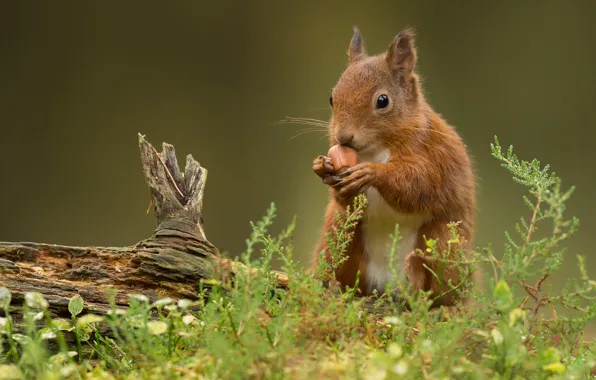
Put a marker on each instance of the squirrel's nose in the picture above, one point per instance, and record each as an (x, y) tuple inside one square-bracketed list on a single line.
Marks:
[(344, 138)]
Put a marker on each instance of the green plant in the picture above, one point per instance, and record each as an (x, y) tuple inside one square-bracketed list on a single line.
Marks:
[(252, 327)]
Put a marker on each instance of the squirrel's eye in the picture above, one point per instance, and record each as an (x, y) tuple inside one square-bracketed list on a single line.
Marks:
[(331, 101), (382, 101)]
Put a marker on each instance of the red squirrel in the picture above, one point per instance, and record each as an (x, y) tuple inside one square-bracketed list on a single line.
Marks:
[(413, 168)]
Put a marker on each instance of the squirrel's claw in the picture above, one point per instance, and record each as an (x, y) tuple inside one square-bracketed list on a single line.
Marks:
[(331, 180)]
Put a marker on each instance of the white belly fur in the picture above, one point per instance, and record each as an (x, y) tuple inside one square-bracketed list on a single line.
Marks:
[(378, 224)]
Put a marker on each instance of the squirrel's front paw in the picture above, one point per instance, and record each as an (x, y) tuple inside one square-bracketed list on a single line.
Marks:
[(355, 180), (322, 166)]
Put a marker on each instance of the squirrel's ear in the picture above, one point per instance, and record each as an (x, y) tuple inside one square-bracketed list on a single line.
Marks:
[(356, 50), (401, 56)]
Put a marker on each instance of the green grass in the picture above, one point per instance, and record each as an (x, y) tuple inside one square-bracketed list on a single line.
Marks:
[(516, 327)]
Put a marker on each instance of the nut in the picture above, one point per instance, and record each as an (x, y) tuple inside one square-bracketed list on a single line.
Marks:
[(342, 157)]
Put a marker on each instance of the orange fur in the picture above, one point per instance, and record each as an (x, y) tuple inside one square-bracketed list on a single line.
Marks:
[(428, 171)]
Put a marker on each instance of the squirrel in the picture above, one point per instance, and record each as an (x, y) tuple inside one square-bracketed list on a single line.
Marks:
[(413, 168)]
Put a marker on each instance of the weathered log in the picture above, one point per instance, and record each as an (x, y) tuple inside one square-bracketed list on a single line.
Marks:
[(170, 263)]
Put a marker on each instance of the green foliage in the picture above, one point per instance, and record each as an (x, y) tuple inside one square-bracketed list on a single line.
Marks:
[(252, 328), (339, 240)]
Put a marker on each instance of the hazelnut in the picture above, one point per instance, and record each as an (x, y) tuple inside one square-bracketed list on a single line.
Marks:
[(342, 157)]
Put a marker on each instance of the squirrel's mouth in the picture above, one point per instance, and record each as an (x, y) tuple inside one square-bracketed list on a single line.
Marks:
[(359, 148)]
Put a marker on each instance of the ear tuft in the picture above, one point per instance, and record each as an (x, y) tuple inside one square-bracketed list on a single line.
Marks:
[(401, 56), (356, 50)]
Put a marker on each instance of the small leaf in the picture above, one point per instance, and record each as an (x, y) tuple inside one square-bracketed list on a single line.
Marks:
[(75, 305), (116, 312), (556, 367), (35, 300), (551, 355), (10, 372), (380, 359), (5, 298), (171, 307), (515, 314), (400, 368), (503, 297), (83, 335), (157, 327), (61, 358), (458, 370), (188, 319), (391, 320), (162, 302), (61, 324), (394, 350), (497, 336), (68, 370), (139, 297), (47, 335), (184, 303), (22, 339), (481, 333), (88, 319)]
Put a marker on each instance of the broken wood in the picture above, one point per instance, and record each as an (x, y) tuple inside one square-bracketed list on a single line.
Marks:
[(171, 263)]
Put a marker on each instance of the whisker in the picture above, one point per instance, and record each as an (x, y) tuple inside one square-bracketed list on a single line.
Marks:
[(325, 135), (305, 132), (298, 121), (318, 126), (304, 120)]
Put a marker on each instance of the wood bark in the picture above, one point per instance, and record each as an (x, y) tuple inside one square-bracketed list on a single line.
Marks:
[(170, 263)]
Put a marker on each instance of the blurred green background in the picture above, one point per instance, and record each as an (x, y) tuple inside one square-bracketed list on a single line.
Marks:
[(78, 80)]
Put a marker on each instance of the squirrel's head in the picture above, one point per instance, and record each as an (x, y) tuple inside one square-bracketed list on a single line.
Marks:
[(375, 96)]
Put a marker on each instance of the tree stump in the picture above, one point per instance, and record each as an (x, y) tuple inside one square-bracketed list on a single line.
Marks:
[(170, 263)]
